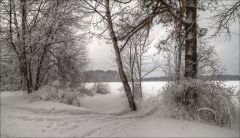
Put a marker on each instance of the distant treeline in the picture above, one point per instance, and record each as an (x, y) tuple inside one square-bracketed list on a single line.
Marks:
[(101, 76), (112, 76), (208, 78)]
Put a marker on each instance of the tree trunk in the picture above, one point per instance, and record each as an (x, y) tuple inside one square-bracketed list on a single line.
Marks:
[(39, 68), (131, 63), (30, 74), (191, 40), (191, 51), (139, 63), (123, 77), (23, 57), (179, 62), (179, 41)]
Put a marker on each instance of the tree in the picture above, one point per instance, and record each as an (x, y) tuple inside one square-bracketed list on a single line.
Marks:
[(178, 11), (32, 29), (184, 15), (208, 62), (106, 15), (70, 61), (137, 62), (127, 27), (10, 77), (191, 39)]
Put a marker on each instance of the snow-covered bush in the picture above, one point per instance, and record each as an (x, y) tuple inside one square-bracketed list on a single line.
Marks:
[(68, 97), (101, 88), (82, 91), (196, 99), (49, 93), (45, 93)]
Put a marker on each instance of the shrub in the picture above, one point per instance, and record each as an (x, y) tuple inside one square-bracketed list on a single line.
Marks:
[(196, 99), (82, 91), (101, 88), (48, 93), (68, 97), (45, 93)]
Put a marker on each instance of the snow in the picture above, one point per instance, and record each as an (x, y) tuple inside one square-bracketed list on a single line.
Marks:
[(100, 116), (99, 103), (163, 127)]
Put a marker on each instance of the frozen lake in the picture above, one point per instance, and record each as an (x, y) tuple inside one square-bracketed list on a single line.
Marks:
[(117, 100), (154, 87)]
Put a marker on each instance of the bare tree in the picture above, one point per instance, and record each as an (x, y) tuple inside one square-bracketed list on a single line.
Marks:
[(137, 61), (104, 10), (32, 28), (183, 13), (166, 11), (208, 62)]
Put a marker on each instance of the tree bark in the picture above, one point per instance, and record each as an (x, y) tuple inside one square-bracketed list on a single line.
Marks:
[(191, 51), (39, 68), (180, 41), (131, 63), (191, 40), (122, 74), (23, 58), (139, 66)]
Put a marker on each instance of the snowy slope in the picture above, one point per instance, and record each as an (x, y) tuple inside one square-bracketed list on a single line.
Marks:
[(101, 115)]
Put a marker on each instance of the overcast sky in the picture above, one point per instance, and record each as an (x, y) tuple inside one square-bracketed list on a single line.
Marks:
[(102, 56)]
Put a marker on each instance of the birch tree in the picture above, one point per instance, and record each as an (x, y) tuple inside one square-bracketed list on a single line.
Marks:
[(105, 11)]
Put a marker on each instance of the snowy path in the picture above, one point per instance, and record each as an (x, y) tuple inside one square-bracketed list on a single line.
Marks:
[(32, 124), (19, 118), (26, 123)]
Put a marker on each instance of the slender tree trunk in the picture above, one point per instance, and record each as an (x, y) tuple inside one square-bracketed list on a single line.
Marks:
[(140, 87), (133, 86), (40, 64), (191, 40), (118, 59), (23, 53), (131, 63), (20, 51), (179, 62), (180, 40), (179, 57), (30, 74), (39, 68), (140, 70)]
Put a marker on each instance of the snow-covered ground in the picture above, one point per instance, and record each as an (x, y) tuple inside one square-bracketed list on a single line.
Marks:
[(100, 116)]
